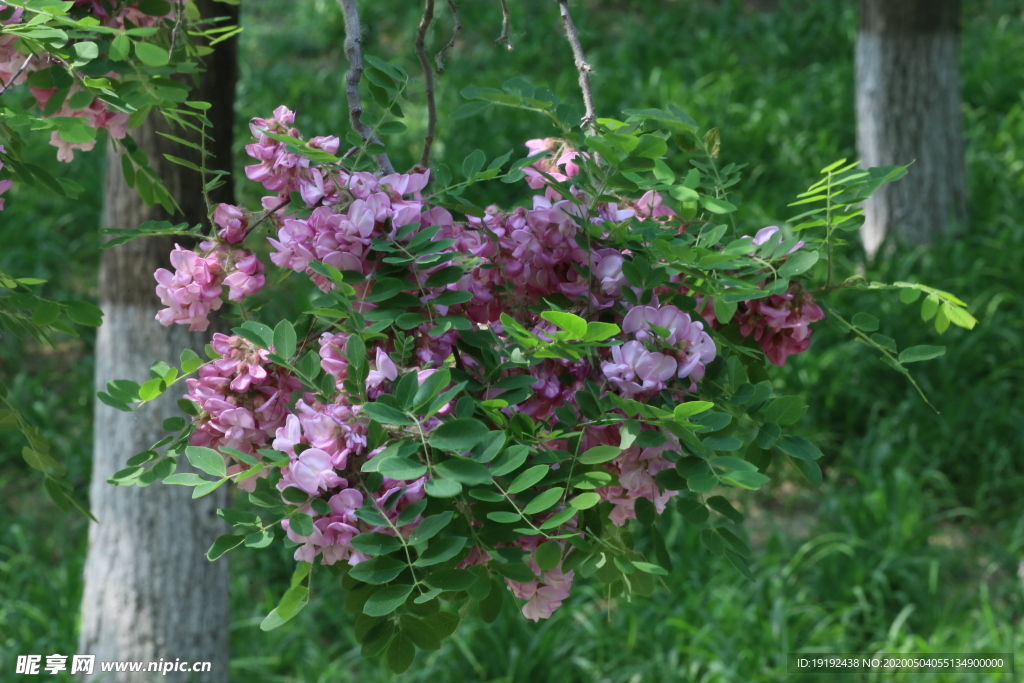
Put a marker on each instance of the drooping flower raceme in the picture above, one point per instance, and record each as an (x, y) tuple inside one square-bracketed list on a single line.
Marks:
[(456, 280)]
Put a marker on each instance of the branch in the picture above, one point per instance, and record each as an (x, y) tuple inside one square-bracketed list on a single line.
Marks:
[(353, 51), (506, 25), (439, 58), (17, 73), (589, 118), (428, 82)]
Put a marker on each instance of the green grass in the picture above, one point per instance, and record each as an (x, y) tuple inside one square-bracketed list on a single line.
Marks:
[(913, 543)]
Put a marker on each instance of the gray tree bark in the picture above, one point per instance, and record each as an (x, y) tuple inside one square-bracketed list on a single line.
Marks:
[(150, 593), (908, 109)]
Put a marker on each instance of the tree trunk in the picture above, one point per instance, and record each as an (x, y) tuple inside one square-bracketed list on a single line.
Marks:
[(150, 592), (908, 109)]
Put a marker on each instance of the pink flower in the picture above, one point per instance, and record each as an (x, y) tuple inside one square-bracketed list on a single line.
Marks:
[(781, 323), (191, 292), (313, 471), (634, 369), (247, 278), (232, 223), (385, 370)]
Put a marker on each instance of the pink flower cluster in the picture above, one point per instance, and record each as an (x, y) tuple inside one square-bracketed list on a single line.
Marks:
[(193, 290), (510, 260), (243, 401), (330, 436), (96, 114), (781, 323), (544, 594)]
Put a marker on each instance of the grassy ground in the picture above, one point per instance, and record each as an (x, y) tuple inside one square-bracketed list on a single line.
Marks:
[(913, 543)]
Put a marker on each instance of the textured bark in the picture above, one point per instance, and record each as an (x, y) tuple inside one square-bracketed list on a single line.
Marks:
[(150, 593), (908, 109)]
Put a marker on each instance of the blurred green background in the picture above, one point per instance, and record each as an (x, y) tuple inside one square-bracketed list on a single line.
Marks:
[(914, 542)]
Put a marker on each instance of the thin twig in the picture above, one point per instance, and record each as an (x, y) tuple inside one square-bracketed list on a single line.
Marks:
[(428, 81), (439, 57), (353, 51), (17, 73), (179, 14), (506, 26), (589, 118)]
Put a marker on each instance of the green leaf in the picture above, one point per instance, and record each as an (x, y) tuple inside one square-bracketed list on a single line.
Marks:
[(292, 602), (473, 163), (150, 54), (190, 361), (548, 555), (909, 295), (119, 48), (387, 600), (207, 488), (649, 568), (650, 147), (528, 478), (502, 517), (785, 410), (155, 8), (865, 321), (430, 527), (598, 331), (544, 501), (301, 524), (442, 488), (443, 623), (442, 550), (385, 414), (401, 469), (599, 454), (722, 443), (451, 579), (206, 460), (431, 387), (915, 354), (798, 263), (151, 389), (585, 501), (469, 109), (419, 633), (173, 424), (715, 205), (693, 511), (745, 479), (391, 128), (185, 479), (509, 461), (85, 51), (409, 514), (809, 469), (378, 570), (768, 435), (723, 507), (223, 544), (83, 313), (284, 339), (573, 324), (798, 447), (458, 435), (685, 410), (445, 276), (646, 513), (702, 483), (464, 471)]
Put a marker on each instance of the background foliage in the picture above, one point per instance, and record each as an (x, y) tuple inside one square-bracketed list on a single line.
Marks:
[(913, 543)]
